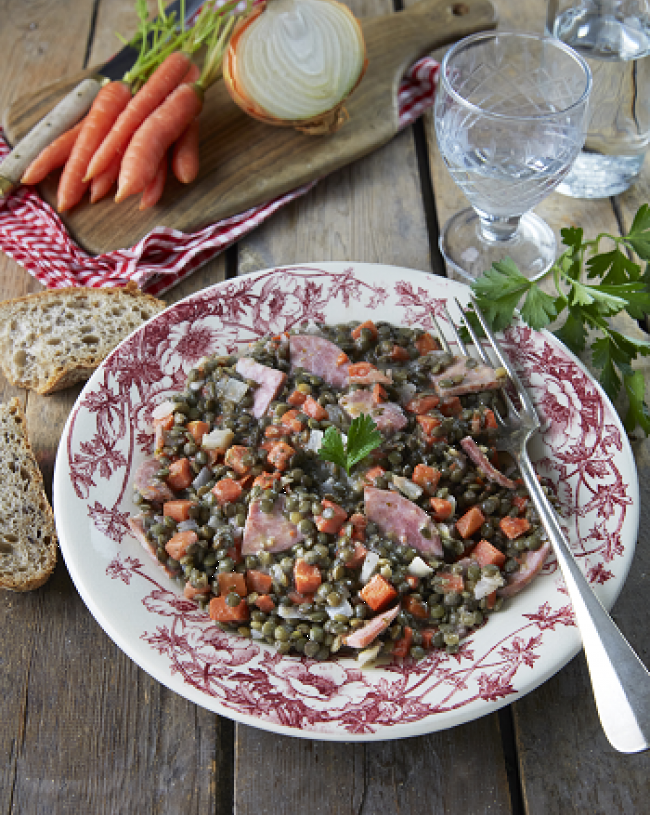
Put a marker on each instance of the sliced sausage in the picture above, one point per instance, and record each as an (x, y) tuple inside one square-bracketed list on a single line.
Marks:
[(268, 531), (531, 565), (270, 383), (363, 636), (481, 460), (402, 520), (472, 380), (146, 483), (320, 357), (388, 416)]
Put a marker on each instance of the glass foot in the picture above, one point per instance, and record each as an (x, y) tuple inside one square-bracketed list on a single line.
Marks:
[(533, 246)]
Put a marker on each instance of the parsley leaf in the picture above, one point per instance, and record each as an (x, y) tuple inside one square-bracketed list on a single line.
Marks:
[(615, 284), (363, 438)]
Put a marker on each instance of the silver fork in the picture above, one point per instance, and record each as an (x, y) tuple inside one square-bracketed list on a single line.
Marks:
[(620, 681)]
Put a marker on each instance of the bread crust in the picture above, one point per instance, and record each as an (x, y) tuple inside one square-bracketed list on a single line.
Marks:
[(39, 540), (28, 346)]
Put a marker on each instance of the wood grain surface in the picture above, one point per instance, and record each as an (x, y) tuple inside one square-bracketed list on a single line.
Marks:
[(244, 162)]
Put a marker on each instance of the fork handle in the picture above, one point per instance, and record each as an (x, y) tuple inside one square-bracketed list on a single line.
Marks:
[(620, 681)]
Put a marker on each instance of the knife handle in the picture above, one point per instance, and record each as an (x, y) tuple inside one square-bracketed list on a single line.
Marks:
[(61, 118)]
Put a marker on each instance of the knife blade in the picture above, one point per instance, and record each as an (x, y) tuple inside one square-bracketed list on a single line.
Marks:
[(73, 107)]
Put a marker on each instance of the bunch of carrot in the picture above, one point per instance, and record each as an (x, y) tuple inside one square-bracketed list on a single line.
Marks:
[(128, 138)]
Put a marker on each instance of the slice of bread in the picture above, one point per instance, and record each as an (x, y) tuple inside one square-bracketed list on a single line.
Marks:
[(27, 533), (57, 337)]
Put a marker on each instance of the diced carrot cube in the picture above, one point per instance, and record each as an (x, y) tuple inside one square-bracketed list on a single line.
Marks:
[(485, 554), (415, 607), (235, 458), (491, 599), (356, 332), (189, 592), (426, 343), (426, 477), (276, 431), (359, 523), (258, 581), (234, 553), (373, 474), (180, 474), (470, 523), (198, 430), (428, 425), (514, 527), (422, 403), (331, 525), (403, 644), (177, 545), (450, 406), (378, 593), (178, 510), (297, 398), (298, 599), (226, 491), (399, 354), (361, 369), (314, 410), (489, 420), (356, 561), (291, 420), (160, 428), (413, 581), (221, 612), (280, 455), (306, 576), (265, 604), (379, 394), (266, 480), (232, 581), (342, 359), (427, 637), (521, 502), (451, 582), (442, 509)]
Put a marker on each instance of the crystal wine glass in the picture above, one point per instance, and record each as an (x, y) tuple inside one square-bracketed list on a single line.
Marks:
[(510, 118)]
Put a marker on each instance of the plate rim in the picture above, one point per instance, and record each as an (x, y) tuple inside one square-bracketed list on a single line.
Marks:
[(385, 732)]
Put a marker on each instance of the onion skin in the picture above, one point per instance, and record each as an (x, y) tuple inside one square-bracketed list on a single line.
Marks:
[(322, 124)]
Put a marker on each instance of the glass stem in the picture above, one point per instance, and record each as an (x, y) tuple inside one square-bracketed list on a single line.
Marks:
[(498, 230)]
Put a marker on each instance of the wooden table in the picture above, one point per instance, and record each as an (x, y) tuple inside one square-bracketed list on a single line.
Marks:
[(82, 729)]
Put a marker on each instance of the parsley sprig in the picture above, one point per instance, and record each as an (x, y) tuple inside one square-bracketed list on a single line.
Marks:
[(619, 285), (363, 438)]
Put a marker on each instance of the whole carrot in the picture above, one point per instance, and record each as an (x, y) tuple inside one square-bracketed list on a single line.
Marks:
[(108, 104), (155, 136), (185, 158), (154, 189), (102, 183), (53, 156), (159, 85)]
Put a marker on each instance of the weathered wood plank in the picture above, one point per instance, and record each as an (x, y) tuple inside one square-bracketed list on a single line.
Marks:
[(373, 212), (565, 761), (83, 726)]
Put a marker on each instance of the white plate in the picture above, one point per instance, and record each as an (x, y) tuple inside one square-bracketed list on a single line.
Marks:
[(583, 448)]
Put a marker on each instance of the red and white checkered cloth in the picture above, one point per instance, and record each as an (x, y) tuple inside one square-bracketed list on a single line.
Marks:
[(34, 236)]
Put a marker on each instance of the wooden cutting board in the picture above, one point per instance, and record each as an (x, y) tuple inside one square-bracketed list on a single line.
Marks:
[(245, 162)]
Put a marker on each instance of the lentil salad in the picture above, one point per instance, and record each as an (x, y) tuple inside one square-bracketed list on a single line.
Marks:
[(411, 550)]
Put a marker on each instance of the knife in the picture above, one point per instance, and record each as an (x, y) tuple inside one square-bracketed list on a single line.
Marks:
[(73, 107)]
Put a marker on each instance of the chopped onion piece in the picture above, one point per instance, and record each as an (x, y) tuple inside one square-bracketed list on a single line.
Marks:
[(231, 389), (369, 565), (486, 585), (217, 439), (163, 410), (368, 654), (315, 440), (419, 568), (202, 478), (290, 613), (407, 487), (343, 608), (189, 525)]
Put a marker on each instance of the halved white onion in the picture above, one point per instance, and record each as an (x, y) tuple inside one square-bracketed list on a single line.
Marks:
[(293, 63)]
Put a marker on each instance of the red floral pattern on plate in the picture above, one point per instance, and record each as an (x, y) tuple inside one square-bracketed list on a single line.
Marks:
[(581, 448)]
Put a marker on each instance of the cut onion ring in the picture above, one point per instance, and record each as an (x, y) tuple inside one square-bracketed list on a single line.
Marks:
[(293, 63)]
